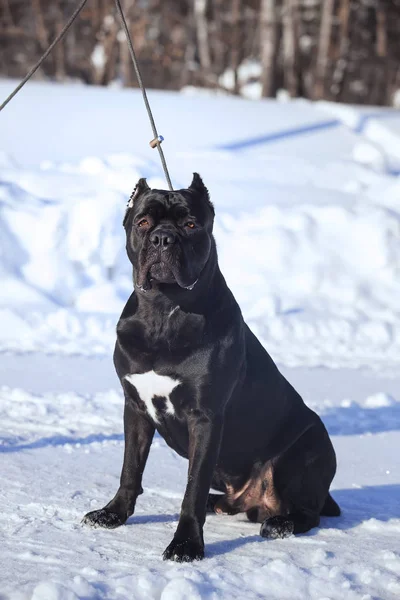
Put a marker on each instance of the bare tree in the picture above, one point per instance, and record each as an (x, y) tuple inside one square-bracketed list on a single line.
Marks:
[(236, 41), (200, 7), (290, 51), (343, 44), (343, 50), (268, 46), (323, 47)]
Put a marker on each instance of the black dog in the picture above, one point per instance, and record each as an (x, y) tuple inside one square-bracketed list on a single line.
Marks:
[(192, 369)]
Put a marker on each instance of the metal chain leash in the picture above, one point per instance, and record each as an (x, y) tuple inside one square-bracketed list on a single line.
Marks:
[(157, 138)]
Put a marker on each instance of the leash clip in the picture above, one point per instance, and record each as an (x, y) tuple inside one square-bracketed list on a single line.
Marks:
[(157, 140)]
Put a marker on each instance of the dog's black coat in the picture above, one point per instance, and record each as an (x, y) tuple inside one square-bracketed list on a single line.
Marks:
[(245, 430)]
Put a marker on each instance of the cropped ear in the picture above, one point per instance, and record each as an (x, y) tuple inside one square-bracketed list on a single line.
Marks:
[(198, 186), (140, 187)]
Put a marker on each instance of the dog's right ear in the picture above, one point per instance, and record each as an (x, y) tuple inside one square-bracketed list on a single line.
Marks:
[(140, 187)]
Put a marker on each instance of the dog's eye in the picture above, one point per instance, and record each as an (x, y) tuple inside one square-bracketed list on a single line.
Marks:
[(190, 224), (142, 223)]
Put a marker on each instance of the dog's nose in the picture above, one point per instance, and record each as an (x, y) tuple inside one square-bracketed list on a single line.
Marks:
[(162, 238)]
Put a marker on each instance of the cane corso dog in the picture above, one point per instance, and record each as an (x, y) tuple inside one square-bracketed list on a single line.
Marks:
[(191, 369)]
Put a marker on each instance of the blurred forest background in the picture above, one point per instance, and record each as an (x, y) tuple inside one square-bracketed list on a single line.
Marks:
[(340, 50)]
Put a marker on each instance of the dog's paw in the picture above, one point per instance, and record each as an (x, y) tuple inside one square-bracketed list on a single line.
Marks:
[(184, 551), (103, 518), (277, 527)]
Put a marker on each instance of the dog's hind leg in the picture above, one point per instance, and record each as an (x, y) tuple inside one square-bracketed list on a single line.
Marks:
[(330, 508), (139, 433), (302, 476)]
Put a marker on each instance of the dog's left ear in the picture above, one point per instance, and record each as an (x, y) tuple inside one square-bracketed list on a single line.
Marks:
[(140, 187), (198, 186)]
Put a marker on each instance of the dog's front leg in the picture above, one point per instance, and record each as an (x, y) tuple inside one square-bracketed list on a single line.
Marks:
[(139, 433), (204, 440)]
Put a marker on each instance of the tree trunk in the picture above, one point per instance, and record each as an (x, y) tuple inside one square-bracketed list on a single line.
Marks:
[(341, 57), (236, 42), (381, 36), (268, 46), (289, 47), (59, 51), (41, 31), (200, 7), (323, 48)]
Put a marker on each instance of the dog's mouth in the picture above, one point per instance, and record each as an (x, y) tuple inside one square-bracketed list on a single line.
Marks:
[(161, 271), (154, 270)]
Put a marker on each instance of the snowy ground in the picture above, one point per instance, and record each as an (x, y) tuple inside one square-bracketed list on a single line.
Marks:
[(308, 231), (61, 456)]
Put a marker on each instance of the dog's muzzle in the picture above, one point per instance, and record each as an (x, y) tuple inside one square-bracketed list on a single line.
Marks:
[(187, 287)]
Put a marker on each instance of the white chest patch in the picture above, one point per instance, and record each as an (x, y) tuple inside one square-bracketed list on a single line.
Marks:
[(149, 385)]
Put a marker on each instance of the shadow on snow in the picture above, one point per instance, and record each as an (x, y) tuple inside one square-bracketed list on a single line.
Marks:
[(61, 440), (356, 420), (359, 505), (351, 420)]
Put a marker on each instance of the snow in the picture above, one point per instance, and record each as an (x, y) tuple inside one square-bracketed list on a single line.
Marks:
[(307, 228), (321, 203), (62, 454)]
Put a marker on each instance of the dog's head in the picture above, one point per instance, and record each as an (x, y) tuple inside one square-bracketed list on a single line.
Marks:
[(169, 234)]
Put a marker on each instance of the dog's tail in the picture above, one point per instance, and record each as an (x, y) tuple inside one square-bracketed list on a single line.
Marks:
[(330, 508)]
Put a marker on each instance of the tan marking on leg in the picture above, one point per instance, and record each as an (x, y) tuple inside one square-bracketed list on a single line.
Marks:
[(222, 507), (258, 495), (271, 501)]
